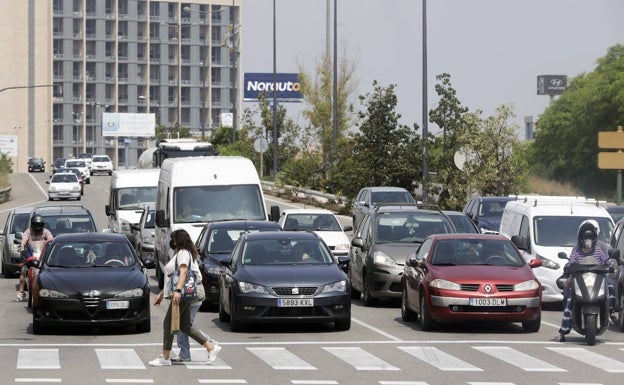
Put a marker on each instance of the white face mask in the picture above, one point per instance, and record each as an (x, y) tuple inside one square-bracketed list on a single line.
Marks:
[(587, 243)]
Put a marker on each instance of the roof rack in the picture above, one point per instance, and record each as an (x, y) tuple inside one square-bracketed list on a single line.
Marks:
[(559, 199)]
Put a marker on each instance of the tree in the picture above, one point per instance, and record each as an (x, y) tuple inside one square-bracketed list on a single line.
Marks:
[(173, 132)]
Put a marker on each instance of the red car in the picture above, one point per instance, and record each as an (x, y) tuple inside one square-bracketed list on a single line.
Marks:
[(455, 278)]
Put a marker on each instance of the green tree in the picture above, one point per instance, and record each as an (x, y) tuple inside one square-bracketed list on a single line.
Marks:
[(173, 132), (6, 168)]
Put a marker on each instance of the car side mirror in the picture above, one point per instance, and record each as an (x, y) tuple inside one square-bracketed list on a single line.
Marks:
[(18, 237), (343, 261), (274, 213), (347, 228), (161, 219), (533, 263), (108, 210), (357, 242)]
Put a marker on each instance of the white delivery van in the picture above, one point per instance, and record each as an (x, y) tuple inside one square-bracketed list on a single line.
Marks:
[(193, 191), (543, 226), (130, 190)]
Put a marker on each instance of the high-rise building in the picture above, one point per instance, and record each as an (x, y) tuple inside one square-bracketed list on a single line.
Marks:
[(176, 59)]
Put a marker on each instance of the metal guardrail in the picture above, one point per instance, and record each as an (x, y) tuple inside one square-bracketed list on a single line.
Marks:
[(273, 188)]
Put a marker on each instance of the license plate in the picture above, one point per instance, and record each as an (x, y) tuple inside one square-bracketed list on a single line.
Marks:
[(295, 302), (117, 304), (488, 301)]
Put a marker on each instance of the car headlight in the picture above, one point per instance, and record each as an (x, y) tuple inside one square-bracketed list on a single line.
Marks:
[(132, 293), (212, 269), (52, 188), (246, 287), (76, 188), (444, 284), (149, 240), (383, 259), (47, 293), (548, 263), (342, 247), (336, 287), (526, 285), (14, 247)]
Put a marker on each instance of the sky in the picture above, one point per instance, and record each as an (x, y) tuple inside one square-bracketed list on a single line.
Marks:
[(493, 49)]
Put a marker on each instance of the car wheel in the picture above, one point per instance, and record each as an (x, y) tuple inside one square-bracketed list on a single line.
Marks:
[(620, 321), (5, 272), (144, 327), (223, 316), (406, 313), (532, 326), (159, 275), (50, 198), (366, 293), (343, 325), (30, 299), (426, 323)]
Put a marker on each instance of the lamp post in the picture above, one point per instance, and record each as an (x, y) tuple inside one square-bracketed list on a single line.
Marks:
[(232, 47)]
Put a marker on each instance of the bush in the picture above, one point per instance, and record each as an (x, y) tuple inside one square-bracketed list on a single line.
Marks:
[(6, 167)]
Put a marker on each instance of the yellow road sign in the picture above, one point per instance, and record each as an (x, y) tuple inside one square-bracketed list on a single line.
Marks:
[(611, 160), (611, 139)]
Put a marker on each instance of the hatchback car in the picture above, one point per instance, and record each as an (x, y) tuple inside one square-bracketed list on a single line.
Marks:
[(101, 164), (462, 222), (64, 185), (66, 218), (144, 235), (387, 235), (270, 280), (36, 165), (470, 277), (215, 243), (87, 157), (81, 165), (90, 280), (486, 211), (17, 222), (368, 197), (322, 222), (78, 173)]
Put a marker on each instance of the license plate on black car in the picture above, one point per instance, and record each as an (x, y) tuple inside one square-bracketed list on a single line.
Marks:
[(295, 302)]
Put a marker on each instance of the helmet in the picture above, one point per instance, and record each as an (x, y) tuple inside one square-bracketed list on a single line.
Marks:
[(36, 224), (587, 230), (593, 222)]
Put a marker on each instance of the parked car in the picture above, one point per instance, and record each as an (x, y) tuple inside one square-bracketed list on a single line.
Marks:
[(470, 278), (66, 218), (64, 185), (386, 236), (16, 223), (81, 165), (462, 222), (144, 235), (368, 197), (90, 280), (323, 222), (36, 164), (215, 243), (269, 280), (58, 163), (101, 164), (486, 211)]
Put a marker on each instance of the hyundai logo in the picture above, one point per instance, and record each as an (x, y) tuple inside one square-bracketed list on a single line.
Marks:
[(556, 82)]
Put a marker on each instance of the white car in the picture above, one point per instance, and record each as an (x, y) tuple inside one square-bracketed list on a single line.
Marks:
[(323, 222), (101, 163), (81, 165), (64, 185)]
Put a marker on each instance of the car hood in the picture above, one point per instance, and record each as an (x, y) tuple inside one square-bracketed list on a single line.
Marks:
[(481, 273), (215, 258), (333, 238), (91, 278), (398, 251), (291, 275), (490, 223)]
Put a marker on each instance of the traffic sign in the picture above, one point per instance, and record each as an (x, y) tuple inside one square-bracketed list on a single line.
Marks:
[(611, 160), (611, 139)]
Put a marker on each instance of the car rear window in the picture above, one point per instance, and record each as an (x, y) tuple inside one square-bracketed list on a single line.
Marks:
[(62, 224)]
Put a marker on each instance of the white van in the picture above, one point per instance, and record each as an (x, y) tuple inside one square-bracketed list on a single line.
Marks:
[(543, 226), (130, 190), (193, 191)]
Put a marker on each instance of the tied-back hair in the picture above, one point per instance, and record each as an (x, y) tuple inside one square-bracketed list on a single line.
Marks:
[(183, 240)]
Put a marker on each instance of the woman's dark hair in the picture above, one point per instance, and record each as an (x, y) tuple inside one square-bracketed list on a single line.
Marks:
[(182, 240)]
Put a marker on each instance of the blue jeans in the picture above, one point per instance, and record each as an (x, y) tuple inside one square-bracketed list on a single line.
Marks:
[(566, 321), (183, 339)]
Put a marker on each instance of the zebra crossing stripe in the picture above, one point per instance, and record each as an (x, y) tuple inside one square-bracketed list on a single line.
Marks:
[(441, 360), (360, 358), (119, 359), (38, 359), (590, 358), (518, 359), (281, 359)]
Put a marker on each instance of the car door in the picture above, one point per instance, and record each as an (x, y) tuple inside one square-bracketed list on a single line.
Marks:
[(358, 254), (415, 275), (359, 207)]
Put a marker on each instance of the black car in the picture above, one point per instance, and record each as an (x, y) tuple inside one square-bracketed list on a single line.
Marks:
[(215, 243), (486, 211), (36, 165), (270, 280), (462, 222), (58, 163), (90, 280)]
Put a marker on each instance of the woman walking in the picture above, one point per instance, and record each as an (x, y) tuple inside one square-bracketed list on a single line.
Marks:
[(185, 254)]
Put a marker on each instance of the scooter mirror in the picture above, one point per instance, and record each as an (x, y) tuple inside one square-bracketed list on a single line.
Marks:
[(562, 255)]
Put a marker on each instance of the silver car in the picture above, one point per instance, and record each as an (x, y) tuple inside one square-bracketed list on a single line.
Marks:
[(17, 222), (144, 236)]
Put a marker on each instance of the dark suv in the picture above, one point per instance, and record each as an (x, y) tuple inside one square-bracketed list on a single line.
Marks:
[(486, 211), (368, 197), (67, 218), (386, 236)]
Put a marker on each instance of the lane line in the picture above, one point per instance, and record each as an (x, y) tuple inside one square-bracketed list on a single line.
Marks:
[(376, 330), (439, 359), (360, 358)]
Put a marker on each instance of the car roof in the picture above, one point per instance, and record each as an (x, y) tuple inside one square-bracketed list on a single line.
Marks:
[(615, 209), (308, 211), (442, 236), (67, 209), (96, 237), (385, 188), (23, 210), (285, 235), (254, 224), (496, 198), (407, 207)]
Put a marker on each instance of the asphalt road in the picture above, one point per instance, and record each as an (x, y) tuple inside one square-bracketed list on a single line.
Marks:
[(379, 349)]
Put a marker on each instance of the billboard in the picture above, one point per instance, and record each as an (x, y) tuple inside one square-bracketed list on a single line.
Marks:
[(8, 145), (551, 84), (288, 86), (128, 124)]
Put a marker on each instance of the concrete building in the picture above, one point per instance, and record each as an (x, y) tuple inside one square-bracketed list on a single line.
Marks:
[(65, 62)]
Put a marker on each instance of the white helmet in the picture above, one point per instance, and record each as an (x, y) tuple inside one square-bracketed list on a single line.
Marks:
[(593, 222)]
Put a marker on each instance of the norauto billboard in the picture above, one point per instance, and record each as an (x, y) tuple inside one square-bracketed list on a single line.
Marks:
[(288, 86)]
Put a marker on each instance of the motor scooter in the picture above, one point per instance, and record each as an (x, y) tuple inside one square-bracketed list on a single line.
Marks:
[(590, 295), (31, 255)]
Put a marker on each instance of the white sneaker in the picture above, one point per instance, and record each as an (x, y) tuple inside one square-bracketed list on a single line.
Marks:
[(212, 355), (21, 296), (160, 361)]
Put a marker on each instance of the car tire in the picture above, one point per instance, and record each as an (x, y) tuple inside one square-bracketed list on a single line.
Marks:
[(235, 324), (367, 297), (426, 322), (144, 327), (343, 325), (78, 198), (223, 316), (30, 299), (159, 275), (406, 313), (355, 294), (532, 326)]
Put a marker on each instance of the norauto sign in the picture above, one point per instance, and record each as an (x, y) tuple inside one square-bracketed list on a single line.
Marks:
[(286, 86)]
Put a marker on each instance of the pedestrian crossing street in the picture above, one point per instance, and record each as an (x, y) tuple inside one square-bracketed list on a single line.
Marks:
[(420, 359)]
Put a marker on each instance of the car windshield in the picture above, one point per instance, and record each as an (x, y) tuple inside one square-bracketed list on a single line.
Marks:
[(391, 197), (492, 209), (191, 204), (75, 163), (134, 198), (101, 159), (285, 252), (462, 224), (562, 231), (311, 222), (149, 219), (90, 254), (491, 252), (61, 224), (410, 227), (64, 178), (20, 222)]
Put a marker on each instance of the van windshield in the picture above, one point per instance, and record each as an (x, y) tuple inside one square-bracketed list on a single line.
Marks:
[(217, 203), (562, 231), (134, 198)]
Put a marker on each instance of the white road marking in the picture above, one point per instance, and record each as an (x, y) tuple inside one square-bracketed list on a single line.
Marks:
[(222, 381), (588, 357), (129, 381), (360, 358), (281, 359), (376, 330), (518, 359), (313, 382), (38, 380), (38, 359), (441, 360), (119, 359), (403, 383)]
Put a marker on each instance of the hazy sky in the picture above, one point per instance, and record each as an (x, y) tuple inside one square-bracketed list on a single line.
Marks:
[(493, 49)]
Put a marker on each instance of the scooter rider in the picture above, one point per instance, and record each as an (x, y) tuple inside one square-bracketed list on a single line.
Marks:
[(585, 247), (36, 232)]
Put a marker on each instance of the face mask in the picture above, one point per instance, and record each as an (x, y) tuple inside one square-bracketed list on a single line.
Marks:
[(171, 244), (587, 243)]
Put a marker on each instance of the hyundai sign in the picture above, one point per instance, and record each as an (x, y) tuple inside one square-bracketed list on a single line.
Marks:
[(288, 87), (551, 84)]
